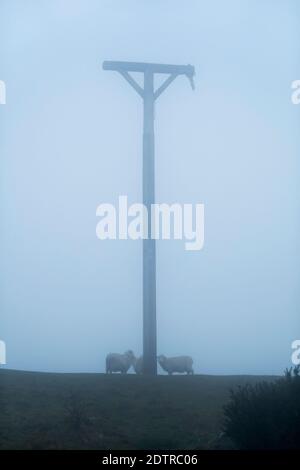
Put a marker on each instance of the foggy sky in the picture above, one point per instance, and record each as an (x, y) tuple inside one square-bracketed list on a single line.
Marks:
[(71, 139)]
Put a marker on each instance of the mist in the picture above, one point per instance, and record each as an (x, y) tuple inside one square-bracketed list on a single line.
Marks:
[(71, 139)]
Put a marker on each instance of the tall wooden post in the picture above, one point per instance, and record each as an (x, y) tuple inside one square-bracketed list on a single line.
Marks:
[(149, 95), (149, 254)]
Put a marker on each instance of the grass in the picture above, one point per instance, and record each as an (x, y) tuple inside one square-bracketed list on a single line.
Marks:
[(98, 411)]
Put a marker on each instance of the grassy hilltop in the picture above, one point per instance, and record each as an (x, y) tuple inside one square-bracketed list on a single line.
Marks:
[(98, 411)]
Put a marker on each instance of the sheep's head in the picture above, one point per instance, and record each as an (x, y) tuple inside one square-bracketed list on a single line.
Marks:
[(161, 359), (130, 355)]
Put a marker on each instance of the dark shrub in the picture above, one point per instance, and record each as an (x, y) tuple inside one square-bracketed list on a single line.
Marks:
[(265, 415)]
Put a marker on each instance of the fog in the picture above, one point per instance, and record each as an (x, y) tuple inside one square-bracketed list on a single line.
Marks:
[(71, 139)]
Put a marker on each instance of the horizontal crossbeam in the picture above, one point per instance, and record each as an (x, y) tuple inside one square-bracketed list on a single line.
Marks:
[(148, 67)]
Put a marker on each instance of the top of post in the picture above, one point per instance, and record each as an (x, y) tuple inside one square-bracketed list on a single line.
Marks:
[(118, 66)]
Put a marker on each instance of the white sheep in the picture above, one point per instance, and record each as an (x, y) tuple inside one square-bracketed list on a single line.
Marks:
[(119, 362), (138, 365), (179, 364)]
